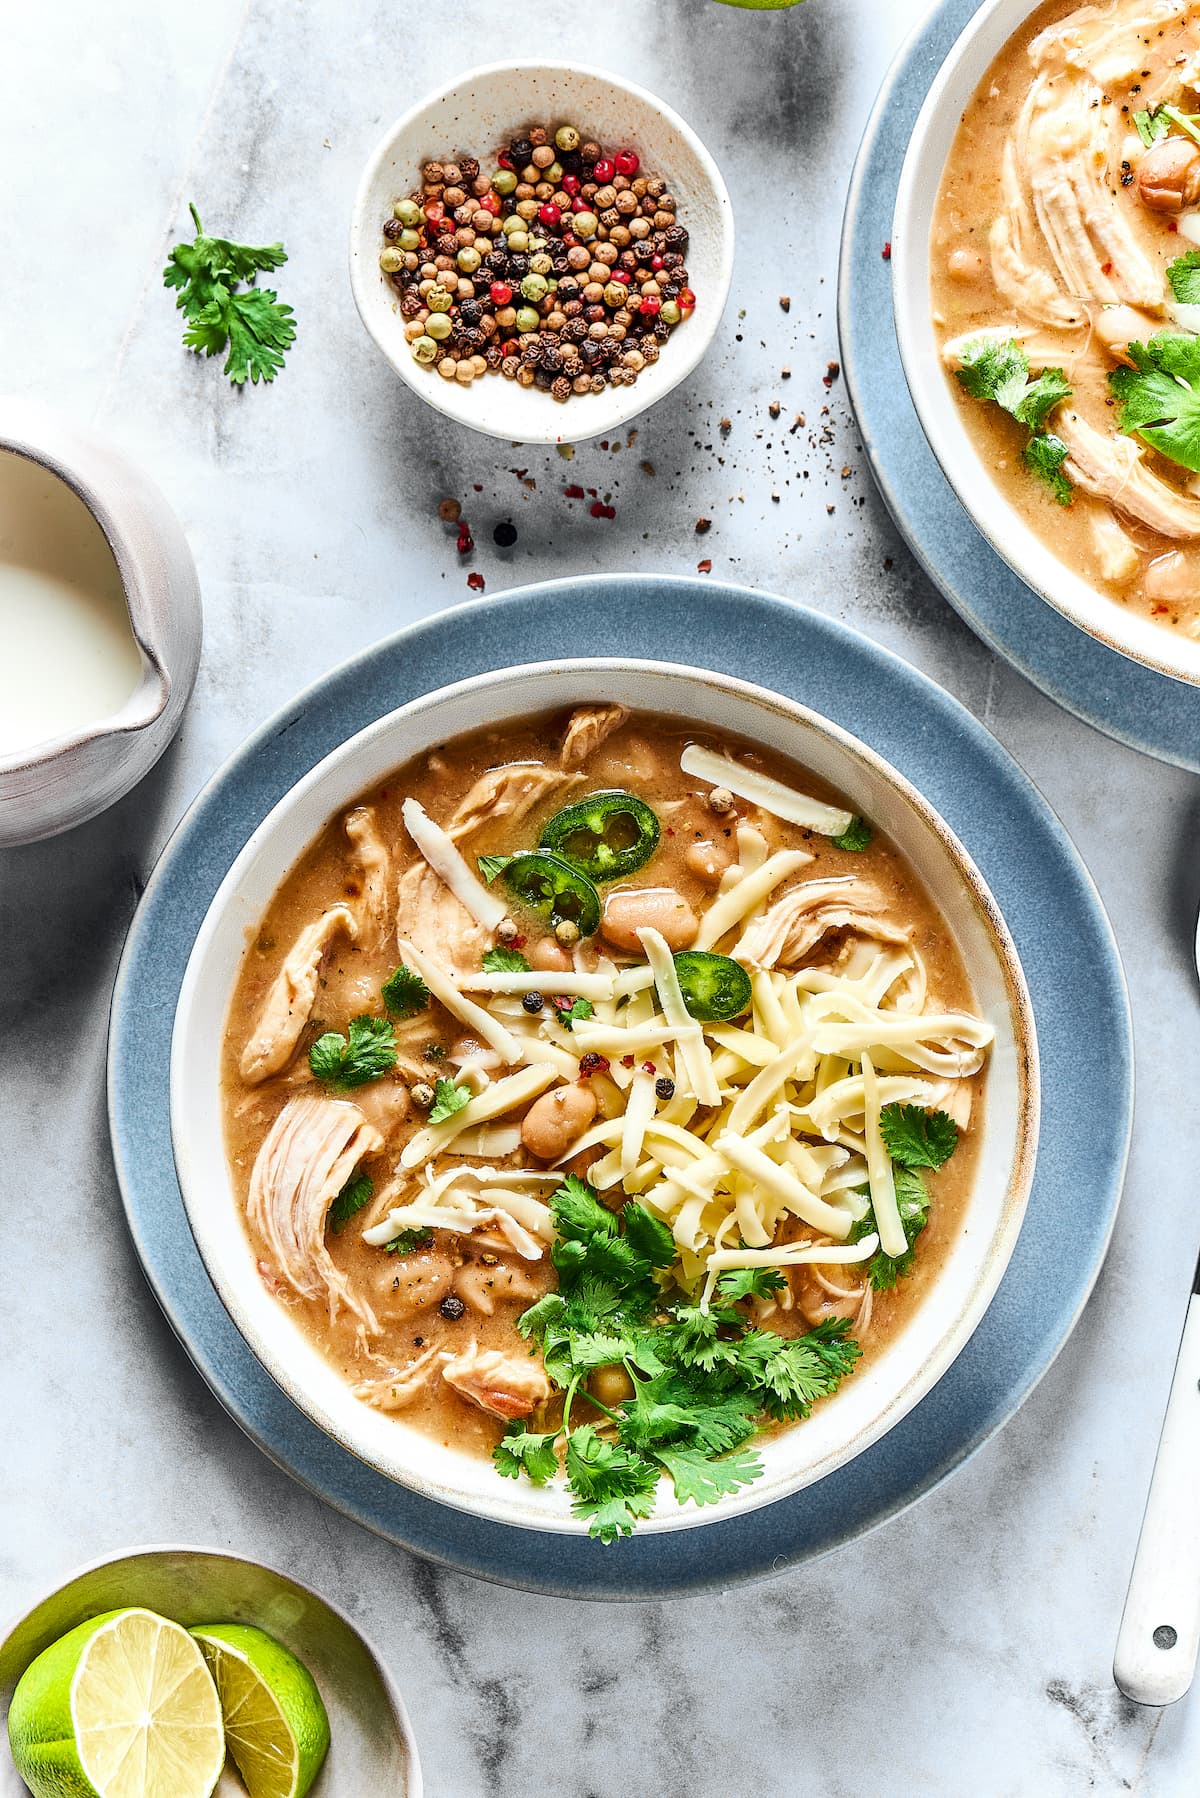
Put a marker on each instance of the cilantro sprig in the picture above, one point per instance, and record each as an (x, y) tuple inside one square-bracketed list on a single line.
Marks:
[(223, 314), (447, 1099), (856, 837), (703, 1382), (914, 1138), (999, 371), (504, 961), (1159, 396), (405, 993), (365, 1053), (350, 1201)]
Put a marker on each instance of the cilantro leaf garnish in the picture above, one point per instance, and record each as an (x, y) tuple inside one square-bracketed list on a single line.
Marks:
[(366, 1053), (405, 993), (1184, 276), (1150, 126), (251, 321), (504, 961), (1044, 456), (998, 370), (1160, 396), (856, 837), (702, 1382), (912, 1202), (447, 1099), (570, 1010), (914, 1137), (519, 1451), (750, 1283), (407, 1241), (354, 1195), (491, 865)]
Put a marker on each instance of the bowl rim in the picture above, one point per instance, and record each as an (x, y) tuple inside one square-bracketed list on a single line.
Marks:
[(364, 270), (1024, 1148), (1166, 652), (63, 449), (148, 1550)]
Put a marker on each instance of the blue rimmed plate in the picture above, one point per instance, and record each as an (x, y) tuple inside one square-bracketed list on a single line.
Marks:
[(1051, 907), (1148, 710)]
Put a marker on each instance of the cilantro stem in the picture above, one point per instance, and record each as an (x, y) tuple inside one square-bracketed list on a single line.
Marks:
[(195, 218), (1184, 122)]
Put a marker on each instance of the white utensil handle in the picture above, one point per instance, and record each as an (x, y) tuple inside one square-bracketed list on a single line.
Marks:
[(1160, 1630)]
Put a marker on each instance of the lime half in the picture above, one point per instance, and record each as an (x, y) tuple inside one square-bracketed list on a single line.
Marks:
[(121, 1707), (275, 1722)]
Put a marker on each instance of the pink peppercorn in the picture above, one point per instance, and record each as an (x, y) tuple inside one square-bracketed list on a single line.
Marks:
[(619, 274), (570, 184), (549, 215), (687, 300), (656, 263), (490, 202), (500, 293), (628, 162), (603, 172), (650, 304)]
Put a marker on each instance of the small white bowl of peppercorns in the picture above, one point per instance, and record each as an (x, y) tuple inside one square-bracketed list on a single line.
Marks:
[(541, 251)]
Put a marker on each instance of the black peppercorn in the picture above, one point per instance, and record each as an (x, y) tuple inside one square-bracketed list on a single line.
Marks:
[(671, 260), (544, 379), (504, 536), (676, 236), (468, 168), (392, 228), (665, 1088), (518, 267), (589, 352), (532, 1002), (496, 261), (575, 330), (470, 311), (552, 359), (567, 289), (452, 1307), (520, 150), (447, 245), (570, 161), (559, 266)]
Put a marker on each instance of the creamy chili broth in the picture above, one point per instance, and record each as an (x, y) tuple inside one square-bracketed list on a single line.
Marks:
[(404, 1294), (1054, 227)]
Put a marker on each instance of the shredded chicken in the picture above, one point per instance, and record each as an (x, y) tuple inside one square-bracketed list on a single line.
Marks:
[(398, 1388), (503, 1385), (1111, 467), (306, 1158), (375, 870), (590, 726), (795, 924), (508, 792), (485, 1287), (288, 1004)]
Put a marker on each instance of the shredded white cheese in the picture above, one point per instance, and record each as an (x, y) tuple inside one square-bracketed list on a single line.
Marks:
[(730, 908), (500, 1097), (879, 1169), (451, 866), (693, 1049), (442, 986), (760, 789)]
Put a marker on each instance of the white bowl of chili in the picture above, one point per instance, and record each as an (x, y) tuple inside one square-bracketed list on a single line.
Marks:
[(970, 1241), (477, 114)]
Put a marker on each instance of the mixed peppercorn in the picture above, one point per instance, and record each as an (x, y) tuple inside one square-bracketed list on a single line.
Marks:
[(565, 269)]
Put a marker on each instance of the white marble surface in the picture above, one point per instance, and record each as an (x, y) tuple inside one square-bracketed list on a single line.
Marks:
[(963, 1647)]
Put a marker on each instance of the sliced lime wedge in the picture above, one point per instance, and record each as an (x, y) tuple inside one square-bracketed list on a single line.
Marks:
[(275, 1722)]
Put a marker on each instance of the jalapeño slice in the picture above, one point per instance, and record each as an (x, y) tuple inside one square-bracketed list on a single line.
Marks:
[(607, 835), (714, 987), (547, 884)]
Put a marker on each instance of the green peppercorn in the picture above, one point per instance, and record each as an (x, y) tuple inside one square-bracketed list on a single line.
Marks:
[(615, 294), (566, 139), (438, 326), (503, 181), (670, 313), (425, 349), (438, 300), (512, 223), (409, 213), (410, 240), (541, 264), (528, 319), (553, 174), (585, 224), (468, 259), (518, 241), (534, 288), (391, 259)]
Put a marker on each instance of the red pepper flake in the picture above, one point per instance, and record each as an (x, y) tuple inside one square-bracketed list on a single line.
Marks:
[(475, 581), (648, 1067), (466, 542), (604, 443), (477, 487), (591, 492), (573, 492), (1158, 607), (561, 1001), (887, 251), (598, 509), (704, 567), (1106, 268), (1172, 225), (670, 830), (518, 942), (627, 1061), (591, 1063), (832, 371)]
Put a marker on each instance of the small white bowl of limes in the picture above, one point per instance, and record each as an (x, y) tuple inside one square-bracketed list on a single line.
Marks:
[(193, 1672)]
